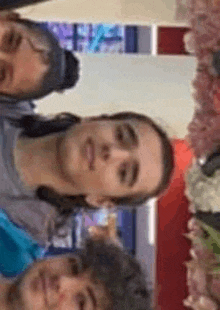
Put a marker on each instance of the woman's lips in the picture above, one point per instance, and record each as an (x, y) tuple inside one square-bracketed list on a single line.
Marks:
[(90, 153)]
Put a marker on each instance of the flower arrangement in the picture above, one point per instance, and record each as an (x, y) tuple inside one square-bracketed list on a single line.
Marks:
[(203, 191), (203, 271)]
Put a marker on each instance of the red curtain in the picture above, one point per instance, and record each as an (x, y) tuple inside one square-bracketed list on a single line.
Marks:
[(172, 247)]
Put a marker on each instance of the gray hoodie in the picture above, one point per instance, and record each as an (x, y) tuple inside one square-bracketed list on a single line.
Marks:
[(21, 205)]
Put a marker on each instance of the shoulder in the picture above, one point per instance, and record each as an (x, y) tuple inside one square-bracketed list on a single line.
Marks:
[(16, 109)]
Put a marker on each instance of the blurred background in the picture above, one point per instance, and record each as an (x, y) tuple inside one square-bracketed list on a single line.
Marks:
[(132, 58)]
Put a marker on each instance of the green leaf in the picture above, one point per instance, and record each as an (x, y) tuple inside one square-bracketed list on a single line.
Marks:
[(212, 242)]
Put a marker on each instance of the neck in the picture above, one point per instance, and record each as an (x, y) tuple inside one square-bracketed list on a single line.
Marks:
[(37, 162), (5, 286)]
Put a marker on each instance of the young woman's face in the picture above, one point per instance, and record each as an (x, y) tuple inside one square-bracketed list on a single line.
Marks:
[(112, 158)]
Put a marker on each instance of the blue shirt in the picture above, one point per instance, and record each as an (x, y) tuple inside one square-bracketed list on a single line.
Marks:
[(17, 249)]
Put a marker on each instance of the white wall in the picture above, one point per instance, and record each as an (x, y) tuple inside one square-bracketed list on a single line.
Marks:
[(145, 240), (131, 11), (157, 86)]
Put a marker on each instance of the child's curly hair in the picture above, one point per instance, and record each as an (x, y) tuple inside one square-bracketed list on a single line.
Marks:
[(120, 272)]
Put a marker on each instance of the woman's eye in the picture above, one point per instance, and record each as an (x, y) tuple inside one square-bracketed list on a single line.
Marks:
[(123, 173), (12, 41), (11, 38), (2, 74)]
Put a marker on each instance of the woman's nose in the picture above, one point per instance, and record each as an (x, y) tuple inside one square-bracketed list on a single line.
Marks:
[(6, 57), (112, 152), (119, 154)]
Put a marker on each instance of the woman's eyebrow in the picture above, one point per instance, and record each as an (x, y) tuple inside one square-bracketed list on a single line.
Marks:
[(92, 296), (132, 134), (135, 173)]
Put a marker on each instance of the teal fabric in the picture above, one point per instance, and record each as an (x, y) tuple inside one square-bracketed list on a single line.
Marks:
[(17, 249)]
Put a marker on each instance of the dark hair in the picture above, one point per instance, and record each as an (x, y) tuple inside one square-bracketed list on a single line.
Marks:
[(47, 86), (121, 274), (49, 81), (63, 71), (38, 126), (71, 74)]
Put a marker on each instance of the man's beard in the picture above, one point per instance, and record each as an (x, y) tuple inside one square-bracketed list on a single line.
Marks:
[(40, 38), (45, 44)]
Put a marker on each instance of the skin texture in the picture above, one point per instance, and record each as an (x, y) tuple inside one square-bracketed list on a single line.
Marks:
[(22, 68), (67, 162), (53, 285)]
